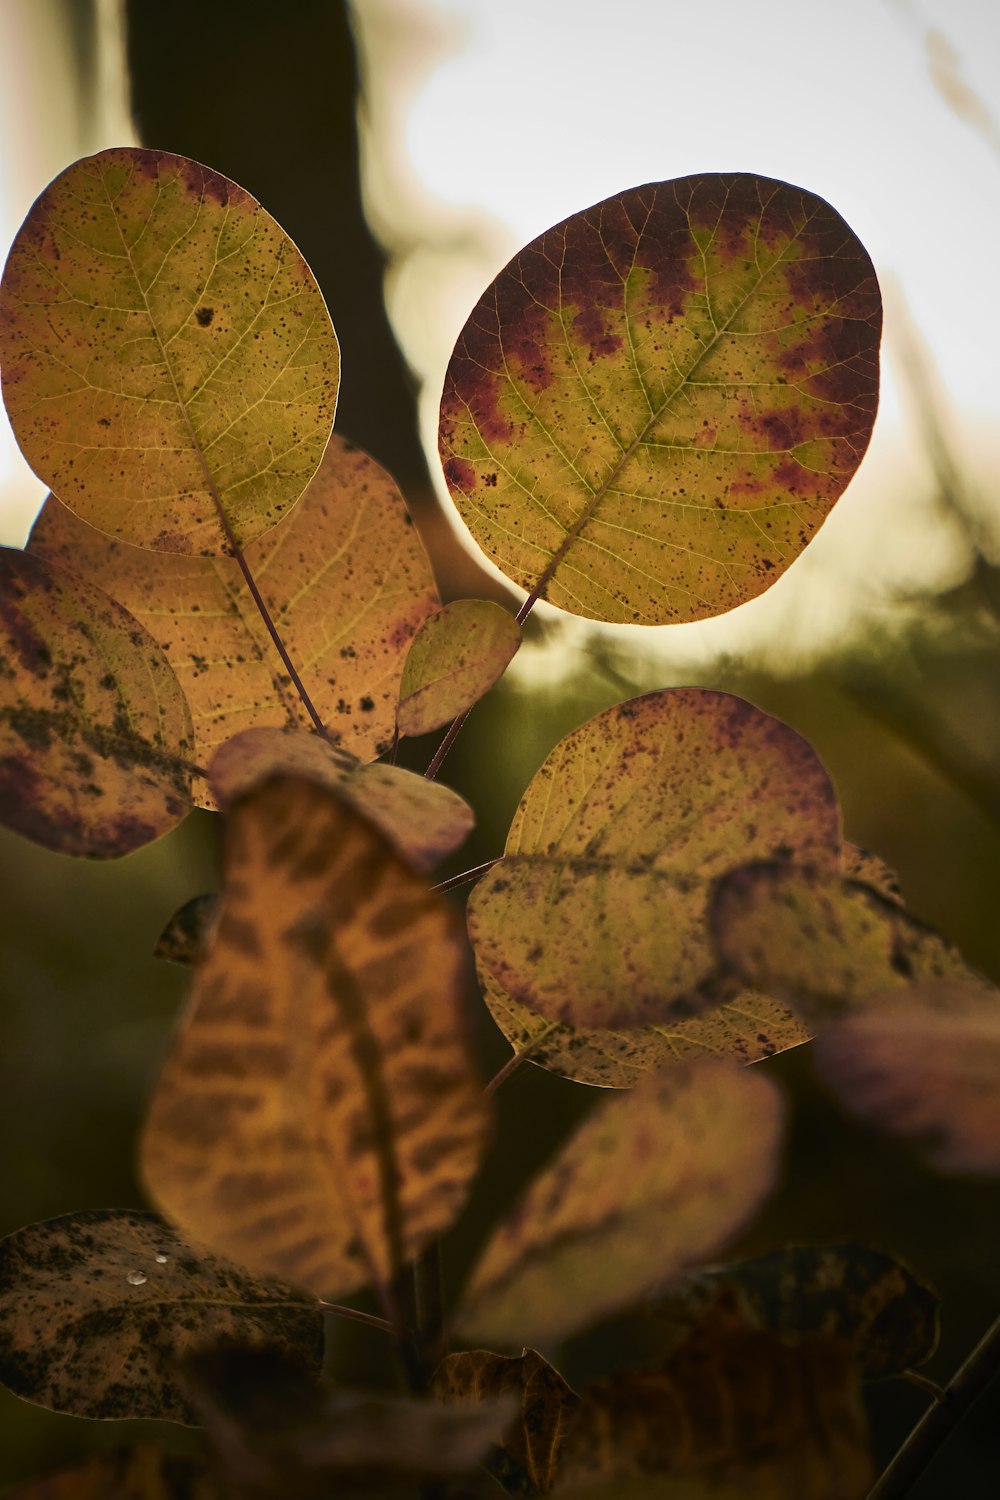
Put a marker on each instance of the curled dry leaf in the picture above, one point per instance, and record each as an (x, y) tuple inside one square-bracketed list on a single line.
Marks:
[(652, 1181), (94, 729), (423, 820), (657, 402), (924, 1063), (96, 1308), (319, 1115), (142, 1472), (343, 575), (547, 1406), (596, 915), (454, 659), (187, 937), (167, 355)]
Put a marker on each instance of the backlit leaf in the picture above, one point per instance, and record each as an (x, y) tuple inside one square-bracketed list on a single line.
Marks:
[(95, 1308), (596, 914), (924, 1063), (139, 1473), (319, 1116), (343, 575), (425, 821), (547, 1406), (651, 1182), (657, 402), (166, 352), (187, 936), (94, 729), (454, 659)]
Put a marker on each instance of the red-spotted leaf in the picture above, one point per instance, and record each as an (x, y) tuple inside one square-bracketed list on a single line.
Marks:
[(425, 821), (167, 356), (95, 734), (596, 916), (653, 1181), (656, 403), (454, 659)]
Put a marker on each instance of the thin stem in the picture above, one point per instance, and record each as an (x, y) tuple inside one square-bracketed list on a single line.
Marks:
[(923, 1383), (265, 615), (356, 1316), (445, 745), (940, 1419), (511, 1065), (467, 875)]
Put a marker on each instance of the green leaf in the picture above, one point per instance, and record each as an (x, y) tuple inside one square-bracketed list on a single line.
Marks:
[(924, 1063), (95, 1309), (454, 659), (320, 1116), (343, 575), (134, 1473), (651, 1182), (423, 820), (167, 355), (596, 916), (656, 403), (94, 729)]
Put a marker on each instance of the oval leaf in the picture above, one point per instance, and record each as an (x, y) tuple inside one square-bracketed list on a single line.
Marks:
[(596, 914), (454, 659), (652, 1181), (167, 355), (343, 575), (94, 729), (95, 1309), (924, 1063), (423, 820), (320, 1116), (657, 402)]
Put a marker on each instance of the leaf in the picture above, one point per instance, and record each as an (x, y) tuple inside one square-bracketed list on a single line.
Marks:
[(95, 1308), (596, 915), (823, 944), (343, 575), (94, 730), (454, 659), (924, 1063), (187, 936), (656, 403), (652, 1181), (320, 1116), (423, 820), (547, 1406), (167, 356), (134, 1473)]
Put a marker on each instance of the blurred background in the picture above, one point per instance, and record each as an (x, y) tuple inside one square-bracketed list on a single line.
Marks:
[(410, 147)]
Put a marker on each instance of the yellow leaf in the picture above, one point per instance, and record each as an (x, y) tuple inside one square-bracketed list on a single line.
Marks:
[(454, 659)]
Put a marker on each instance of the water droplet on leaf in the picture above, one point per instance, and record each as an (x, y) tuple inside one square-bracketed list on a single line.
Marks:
[(161, 1260), (136, 1278)]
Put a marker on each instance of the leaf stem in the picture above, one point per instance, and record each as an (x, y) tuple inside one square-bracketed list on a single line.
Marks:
[(467, 875), (940, 1420), (356, 1316), (510, 1066), (445, 745)]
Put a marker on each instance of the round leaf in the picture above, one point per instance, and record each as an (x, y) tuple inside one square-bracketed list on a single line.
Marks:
[(166, 352), (454, 659), (657, 402)]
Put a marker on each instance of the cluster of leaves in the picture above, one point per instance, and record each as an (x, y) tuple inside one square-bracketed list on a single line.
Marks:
[(646, 417)]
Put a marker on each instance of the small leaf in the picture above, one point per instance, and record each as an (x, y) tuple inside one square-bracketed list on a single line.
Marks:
[(422, 819), (187, 936), (596, 915), (547, 1406), (657, 402), (924, 1063), (135, 1473), (343, 575), (454, 659), (95, 1309), (320, 1116), (94, 729), (166, 352), (651, 1182)]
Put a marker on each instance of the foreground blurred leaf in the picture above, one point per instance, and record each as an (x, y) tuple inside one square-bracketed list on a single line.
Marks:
[(139, 1473), (924, 1063), (94, 729), (657, 401), (96, 1308), (652, 1181), (343, 575), (423, 820), (319, 1115), (454, 659), (596, 914), (547, 1406), (166, 352)]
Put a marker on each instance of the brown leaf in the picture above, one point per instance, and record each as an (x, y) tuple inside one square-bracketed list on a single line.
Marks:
[(187, 936), (134, 1473), (651, 1182), (319, 1115), (95, 734), (96, 1308), (454, 659)]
